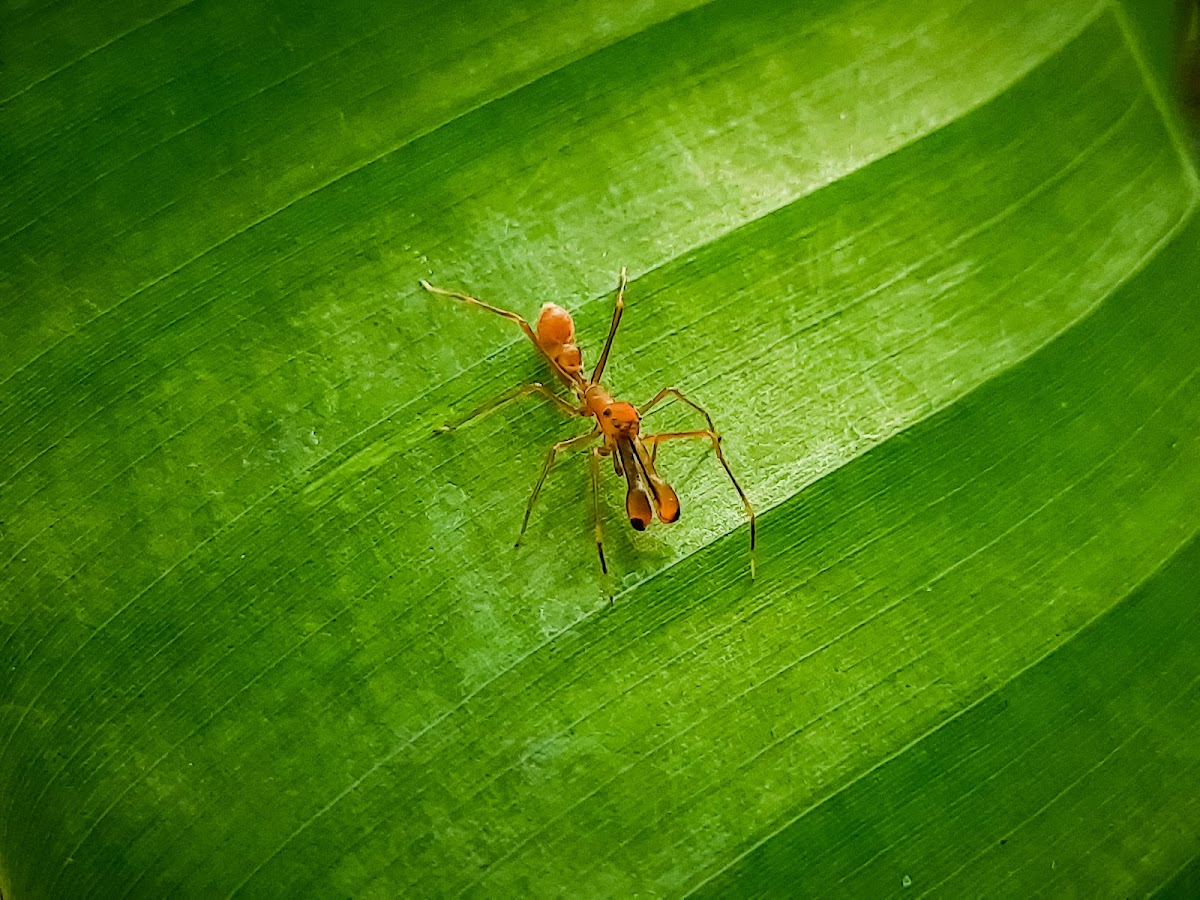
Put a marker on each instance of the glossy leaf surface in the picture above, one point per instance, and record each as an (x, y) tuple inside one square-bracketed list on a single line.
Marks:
[(932, 269)]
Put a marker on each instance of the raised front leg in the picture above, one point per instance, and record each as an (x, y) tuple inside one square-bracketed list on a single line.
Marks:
[(598, 372)]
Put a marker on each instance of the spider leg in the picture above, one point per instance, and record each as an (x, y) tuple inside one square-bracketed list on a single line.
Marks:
[(715, 438), (551, 459), (522, 391)]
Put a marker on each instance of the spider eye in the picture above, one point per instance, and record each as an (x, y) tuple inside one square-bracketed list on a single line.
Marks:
[(608, 412)]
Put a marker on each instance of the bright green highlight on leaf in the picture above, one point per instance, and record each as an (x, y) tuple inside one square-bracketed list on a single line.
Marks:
[(931, 267)]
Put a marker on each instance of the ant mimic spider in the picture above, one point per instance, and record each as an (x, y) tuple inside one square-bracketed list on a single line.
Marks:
[(618, 424)]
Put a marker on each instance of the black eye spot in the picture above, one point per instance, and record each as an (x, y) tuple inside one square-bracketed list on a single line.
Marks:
[(608, 412)]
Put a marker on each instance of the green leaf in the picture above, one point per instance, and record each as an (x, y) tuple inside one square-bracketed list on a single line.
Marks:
[(932, 269)]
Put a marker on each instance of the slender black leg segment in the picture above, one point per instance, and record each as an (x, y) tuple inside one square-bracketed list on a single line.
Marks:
[(598, 372), (522, 391), (551, 458), (594, 466)]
